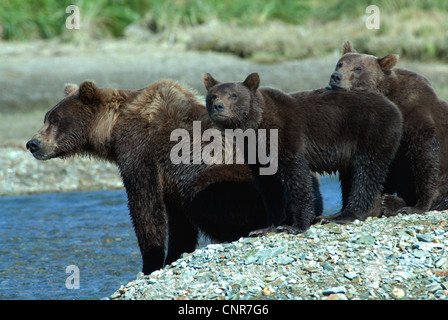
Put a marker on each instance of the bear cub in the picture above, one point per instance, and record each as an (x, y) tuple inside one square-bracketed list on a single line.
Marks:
[(419, 173), (322, 131)]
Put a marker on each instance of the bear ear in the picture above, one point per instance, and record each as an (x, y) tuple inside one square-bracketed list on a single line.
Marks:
[(89, 92), (209, 81), (252, 81), (347, 48), (388, 62), (70, 88)]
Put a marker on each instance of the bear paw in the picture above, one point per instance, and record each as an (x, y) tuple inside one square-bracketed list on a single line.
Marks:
[(410, 210), (262, 232), (290, 229), (390, 205), (280, 229), (340, 217)]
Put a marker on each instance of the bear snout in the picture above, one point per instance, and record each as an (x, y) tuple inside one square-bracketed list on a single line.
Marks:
[(33, 145), (218, 107), (335, 78)]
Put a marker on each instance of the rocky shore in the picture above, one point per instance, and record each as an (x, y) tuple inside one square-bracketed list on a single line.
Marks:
[(398, 258), (21, 174)]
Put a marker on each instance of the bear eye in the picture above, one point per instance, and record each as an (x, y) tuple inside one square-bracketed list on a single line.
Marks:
[(54, 121), (358, 69), (233, 96), (213, 97), (339, 65)]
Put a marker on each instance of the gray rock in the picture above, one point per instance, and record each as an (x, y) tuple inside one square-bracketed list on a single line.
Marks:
[(434, 286), (260, 256), (284, 260), (365, 240), (340, 289), (327, 266), (351, 275), (440, 262), (425, 237), (421, 253)]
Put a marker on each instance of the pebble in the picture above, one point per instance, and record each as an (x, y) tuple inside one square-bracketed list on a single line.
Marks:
[(350, 275), (260, 256), (336, 296), (365, 240), (440, 262), (284, 260), (398, 293), (402, 257), (329, 291)]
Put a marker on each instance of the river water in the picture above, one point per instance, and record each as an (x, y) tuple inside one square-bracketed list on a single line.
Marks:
[(88, 232)]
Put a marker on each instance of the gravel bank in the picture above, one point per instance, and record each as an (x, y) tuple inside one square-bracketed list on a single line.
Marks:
[(21, 174), (403, 257)]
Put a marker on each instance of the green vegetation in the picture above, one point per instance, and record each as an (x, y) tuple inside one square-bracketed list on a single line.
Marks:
[(413, 29), (26, 20)]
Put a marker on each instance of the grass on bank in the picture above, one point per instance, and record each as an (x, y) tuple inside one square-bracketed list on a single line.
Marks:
[(263, 30)]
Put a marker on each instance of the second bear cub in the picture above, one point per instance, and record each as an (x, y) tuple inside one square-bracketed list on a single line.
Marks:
[(353, 133)]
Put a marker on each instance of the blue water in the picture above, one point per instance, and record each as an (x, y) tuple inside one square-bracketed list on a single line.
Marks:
[(40, 235)]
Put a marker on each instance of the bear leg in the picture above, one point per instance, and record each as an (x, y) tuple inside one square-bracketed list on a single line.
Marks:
[(147, 212), (273, 194), (289, 202), (300, 189), (345, 178), (423, 153), (182, 234), (367, 177), (317, 195), (441, 201), (152, 259)]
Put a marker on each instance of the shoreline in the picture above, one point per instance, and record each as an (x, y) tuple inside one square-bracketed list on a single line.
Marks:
[(21, 174)]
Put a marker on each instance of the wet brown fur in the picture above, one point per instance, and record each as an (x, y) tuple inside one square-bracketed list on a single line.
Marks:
[(419, 173)]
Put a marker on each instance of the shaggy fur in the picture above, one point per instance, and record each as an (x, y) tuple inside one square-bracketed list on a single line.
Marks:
[(322, 131), (132, 128), (419, 172)]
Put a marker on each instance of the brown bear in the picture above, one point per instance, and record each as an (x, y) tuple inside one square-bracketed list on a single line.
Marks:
[(355, 133), (133, 129), (419, 173)]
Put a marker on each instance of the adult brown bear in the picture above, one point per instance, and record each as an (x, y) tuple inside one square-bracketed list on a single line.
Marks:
[(355, 133), (133, 128), (419, 172)]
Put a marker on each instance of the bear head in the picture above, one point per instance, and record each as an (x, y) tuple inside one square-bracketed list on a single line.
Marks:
[(67, 125), (234, 105), (362, 71)]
